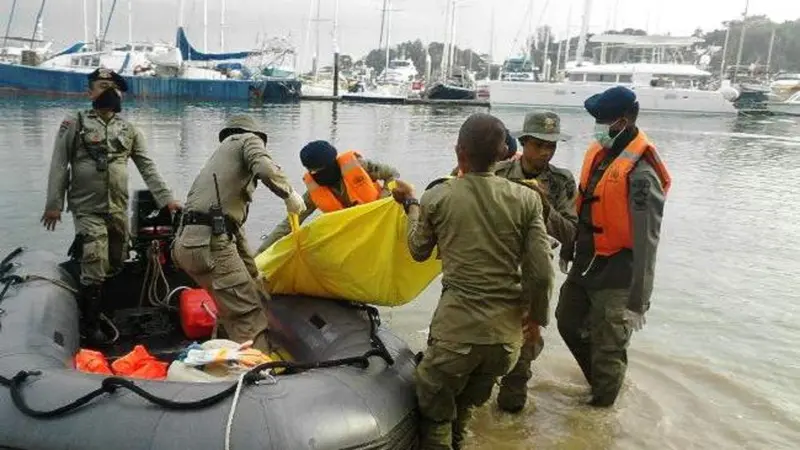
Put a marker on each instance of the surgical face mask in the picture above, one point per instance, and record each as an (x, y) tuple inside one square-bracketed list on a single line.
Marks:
[(109, 100), (603, 134), (329, 176)]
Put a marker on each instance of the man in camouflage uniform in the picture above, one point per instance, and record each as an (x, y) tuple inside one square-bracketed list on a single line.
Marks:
[(620, 206), (539, 137), (90, 165), (220, 261), (496, 278), (320, 156)]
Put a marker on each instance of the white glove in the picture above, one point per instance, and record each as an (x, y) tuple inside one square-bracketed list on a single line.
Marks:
[(634, 319), (563, 265), (294, 203)]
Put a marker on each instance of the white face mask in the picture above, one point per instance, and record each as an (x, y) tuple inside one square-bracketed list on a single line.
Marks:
[(602, 134)]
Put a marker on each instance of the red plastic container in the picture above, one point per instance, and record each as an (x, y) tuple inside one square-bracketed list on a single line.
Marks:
[(198, 313)]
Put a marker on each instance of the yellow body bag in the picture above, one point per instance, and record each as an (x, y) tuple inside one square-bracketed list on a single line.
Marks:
[(358, 254)]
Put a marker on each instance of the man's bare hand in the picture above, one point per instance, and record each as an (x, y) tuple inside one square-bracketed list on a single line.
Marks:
[(402, 191), (50, 218)]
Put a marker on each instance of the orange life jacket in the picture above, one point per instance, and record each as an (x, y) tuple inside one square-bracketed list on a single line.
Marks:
[(359, 185), (611, 217), (515, 157)]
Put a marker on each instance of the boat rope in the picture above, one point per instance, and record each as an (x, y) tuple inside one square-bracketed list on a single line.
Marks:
[(234, 404), (253, 376), (154, 278)]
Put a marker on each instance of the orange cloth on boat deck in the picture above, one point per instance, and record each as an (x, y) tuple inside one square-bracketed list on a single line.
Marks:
[(139, 363), (92, 361)]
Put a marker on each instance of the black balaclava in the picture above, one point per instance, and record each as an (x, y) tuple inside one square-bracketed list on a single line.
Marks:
[(321, 157)]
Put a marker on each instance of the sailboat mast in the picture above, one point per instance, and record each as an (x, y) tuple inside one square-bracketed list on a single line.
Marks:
[(741, 40), (99, 16), (388, 34), (85, 24), (336, 48), (316, 51), (724, 53), (37, 22), (769, 53), (383, 24), (491, 45), (451, 57), (205, 26), (446, 44), (130, 22), (587, 11), (222, 27), (10, 19)]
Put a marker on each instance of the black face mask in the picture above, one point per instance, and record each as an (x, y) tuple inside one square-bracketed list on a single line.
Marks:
[(329, 176), (109, 100)]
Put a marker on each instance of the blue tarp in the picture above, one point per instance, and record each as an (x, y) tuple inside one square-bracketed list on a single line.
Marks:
[(188, 53)]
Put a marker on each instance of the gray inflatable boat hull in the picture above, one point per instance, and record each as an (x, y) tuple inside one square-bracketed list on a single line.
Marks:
[(335, 408)]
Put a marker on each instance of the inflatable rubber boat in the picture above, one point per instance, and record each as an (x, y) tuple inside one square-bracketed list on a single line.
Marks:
[(348, 384)]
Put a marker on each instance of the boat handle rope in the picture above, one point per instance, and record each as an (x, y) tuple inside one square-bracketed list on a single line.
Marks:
[(253, 376)]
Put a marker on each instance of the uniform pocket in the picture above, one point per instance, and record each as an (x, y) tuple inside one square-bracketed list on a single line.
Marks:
[(231, 280), (92, 251), (192, 251)]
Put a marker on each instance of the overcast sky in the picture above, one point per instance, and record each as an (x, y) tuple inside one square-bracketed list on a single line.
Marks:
[(359, 24)]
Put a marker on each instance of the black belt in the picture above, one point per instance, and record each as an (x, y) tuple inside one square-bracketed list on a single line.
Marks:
[(201, 218)]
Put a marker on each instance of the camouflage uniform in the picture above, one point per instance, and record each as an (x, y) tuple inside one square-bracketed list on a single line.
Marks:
[(90, 165), (485, 228), (223, 264), (375, 170), (561, 189)]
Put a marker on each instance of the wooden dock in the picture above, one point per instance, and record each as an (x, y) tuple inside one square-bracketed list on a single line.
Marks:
[(355, 98)]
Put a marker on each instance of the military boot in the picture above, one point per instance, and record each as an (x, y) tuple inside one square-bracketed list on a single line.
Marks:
[(90, 302)]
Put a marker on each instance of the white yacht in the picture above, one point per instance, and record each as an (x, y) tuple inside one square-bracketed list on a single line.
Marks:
[(658, 87), (790, 106), (399, 71)]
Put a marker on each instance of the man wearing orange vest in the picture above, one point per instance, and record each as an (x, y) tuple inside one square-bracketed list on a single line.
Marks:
[(622, 190), (335, 181)]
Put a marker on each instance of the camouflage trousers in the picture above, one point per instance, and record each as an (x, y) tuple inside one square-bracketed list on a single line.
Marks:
[(513, 392), (592, 324), (103, 239), (223, 266), (451, 381)]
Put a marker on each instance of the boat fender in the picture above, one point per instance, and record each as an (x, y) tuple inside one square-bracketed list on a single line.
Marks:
[(198, 313)]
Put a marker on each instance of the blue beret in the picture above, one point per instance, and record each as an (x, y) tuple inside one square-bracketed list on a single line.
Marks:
[(610, 104), (511, 142), (318, 154)]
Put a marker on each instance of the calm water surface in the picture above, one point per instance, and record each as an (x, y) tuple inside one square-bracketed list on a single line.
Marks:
[(717, 365)]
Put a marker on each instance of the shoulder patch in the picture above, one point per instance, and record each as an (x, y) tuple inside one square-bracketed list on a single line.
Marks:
[(65, 124), (640, 189)]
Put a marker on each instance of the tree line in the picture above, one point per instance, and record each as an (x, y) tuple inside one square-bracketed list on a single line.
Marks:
[(758, 34)]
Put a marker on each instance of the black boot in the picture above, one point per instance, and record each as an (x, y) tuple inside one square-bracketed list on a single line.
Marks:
[(90, 305)]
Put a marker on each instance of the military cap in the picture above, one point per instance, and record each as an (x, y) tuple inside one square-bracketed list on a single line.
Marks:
[(107, 74), (244, 123), (543, 125), (611, 104)]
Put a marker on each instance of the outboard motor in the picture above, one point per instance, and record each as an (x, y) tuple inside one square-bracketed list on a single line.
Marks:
[(152, 229)]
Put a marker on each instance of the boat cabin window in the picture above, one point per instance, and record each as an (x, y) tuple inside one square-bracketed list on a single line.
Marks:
[(601, 77), (576, 77), (624, 78), (788, 76), (398, 64)]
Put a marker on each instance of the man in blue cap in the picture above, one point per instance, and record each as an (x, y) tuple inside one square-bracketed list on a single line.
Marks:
[(90, 166), (622, 191), (335, 181)]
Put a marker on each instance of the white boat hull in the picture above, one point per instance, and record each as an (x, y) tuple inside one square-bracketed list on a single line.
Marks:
[(789, 109), (572, 95)]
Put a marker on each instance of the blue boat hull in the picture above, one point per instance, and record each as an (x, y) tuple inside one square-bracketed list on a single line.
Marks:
[(60, 82)]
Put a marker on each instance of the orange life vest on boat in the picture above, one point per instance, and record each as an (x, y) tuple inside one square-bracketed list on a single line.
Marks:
[(359, 185), (611, 217), (516, 157)]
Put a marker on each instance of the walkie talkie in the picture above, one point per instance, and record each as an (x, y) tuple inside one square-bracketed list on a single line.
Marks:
[(217, 216)]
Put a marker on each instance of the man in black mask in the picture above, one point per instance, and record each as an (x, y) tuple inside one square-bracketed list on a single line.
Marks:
[(335, 181), (90, 163)]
